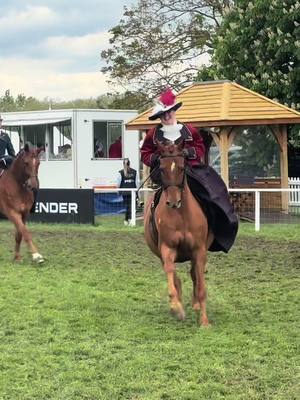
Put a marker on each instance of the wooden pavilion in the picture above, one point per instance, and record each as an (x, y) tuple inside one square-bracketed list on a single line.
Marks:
[(226, 107)]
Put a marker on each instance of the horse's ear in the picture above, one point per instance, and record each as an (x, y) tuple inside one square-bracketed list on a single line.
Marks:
[(26, 148), (39, 150)]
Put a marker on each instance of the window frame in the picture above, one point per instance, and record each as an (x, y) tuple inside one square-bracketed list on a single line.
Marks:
[(108, 143)]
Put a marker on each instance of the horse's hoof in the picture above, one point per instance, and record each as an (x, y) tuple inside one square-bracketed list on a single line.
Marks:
[(17, 260), (204, 323), (178, 311), (37, 258)]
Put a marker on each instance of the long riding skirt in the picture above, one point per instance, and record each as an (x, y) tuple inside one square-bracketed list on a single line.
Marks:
[(211, 192)]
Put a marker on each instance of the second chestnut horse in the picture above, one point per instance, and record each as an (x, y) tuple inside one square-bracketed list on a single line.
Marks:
[(16, 196)]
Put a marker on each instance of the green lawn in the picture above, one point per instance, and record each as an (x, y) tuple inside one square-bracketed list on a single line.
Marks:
[(93, 321)]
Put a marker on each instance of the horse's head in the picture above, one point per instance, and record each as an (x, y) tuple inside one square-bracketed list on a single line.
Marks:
[(26, 167), (172, 169)]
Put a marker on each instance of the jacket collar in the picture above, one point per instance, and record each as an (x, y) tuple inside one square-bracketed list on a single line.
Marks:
[(185, 134)]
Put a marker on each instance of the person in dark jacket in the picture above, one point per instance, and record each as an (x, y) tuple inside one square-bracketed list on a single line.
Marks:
[(127, 179), (205, 183), (7, 151)]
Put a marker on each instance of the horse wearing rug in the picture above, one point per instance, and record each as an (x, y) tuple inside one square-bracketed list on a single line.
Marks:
[(16, 196), (177, 231)]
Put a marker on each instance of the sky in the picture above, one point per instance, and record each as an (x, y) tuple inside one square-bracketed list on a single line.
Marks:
[(51, 48)]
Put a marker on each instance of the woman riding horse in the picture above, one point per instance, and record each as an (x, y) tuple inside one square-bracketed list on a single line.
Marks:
[(204, 182)]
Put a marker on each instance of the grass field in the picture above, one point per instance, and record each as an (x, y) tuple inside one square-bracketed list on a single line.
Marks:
[(93, 321)]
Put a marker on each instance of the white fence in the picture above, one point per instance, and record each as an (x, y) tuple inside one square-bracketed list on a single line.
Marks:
[(259, 206), (294, 197)]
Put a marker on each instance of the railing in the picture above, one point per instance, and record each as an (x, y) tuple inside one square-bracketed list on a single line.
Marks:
[(262, 205), (294, 197)]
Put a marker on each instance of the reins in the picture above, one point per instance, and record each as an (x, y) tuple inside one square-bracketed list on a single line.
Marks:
[(148, 177)]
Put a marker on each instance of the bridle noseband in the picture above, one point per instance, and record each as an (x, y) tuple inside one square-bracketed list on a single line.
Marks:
[(26, 182)]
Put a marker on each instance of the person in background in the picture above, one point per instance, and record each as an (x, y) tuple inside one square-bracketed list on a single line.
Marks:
[(205, 183), (115, 149), (7, 151), (99, 150), (127, 178)]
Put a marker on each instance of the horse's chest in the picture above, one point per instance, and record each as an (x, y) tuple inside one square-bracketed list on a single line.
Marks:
[(180, 239)]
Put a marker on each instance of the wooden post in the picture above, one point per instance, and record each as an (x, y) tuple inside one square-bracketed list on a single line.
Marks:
[(224, 156), (224, 140), (280, 133)]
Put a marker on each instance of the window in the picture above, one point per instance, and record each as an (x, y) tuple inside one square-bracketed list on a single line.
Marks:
[(60, 141), (35, 136), (107, 139)]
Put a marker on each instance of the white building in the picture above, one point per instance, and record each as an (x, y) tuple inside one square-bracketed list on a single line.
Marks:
[(71, 139)]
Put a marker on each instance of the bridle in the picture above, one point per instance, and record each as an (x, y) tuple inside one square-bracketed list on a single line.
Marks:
[(178, 185), (26, 182)]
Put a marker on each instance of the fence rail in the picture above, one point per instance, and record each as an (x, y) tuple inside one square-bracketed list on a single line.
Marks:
[(259, 206)]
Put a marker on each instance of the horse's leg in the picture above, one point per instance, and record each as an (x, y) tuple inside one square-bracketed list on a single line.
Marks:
[(177, 283), (174, 285), (18, 239), (22, 230), (199, 263), (195, 300)]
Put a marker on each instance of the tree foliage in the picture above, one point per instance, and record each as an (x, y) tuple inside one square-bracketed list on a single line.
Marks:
[(258, 46), (125, 101), (159, 43)]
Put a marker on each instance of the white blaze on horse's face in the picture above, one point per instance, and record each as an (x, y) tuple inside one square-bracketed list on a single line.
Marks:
[(172, 175), (31, 165)]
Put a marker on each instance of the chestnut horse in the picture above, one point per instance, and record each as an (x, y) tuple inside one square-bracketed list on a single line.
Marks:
[(16, 196), (177, 231)]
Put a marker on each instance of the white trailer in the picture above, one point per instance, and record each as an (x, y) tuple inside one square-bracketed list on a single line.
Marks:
[(71, 138)]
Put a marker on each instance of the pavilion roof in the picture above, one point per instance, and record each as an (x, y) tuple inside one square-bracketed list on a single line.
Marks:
[(223, 103)]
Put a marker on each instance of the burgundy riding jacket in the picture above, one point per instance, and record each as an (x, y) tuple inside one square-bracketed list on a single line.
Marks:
[(193, 143)]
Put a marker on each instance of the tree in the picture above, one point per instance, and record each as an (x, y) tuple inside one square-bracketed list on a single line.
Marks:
[(127, 100), (258, 46), (159, 43)]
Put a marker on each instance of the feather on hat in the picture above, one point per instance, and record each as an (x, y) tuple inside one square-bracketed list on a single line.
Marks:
[(166, 102)]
